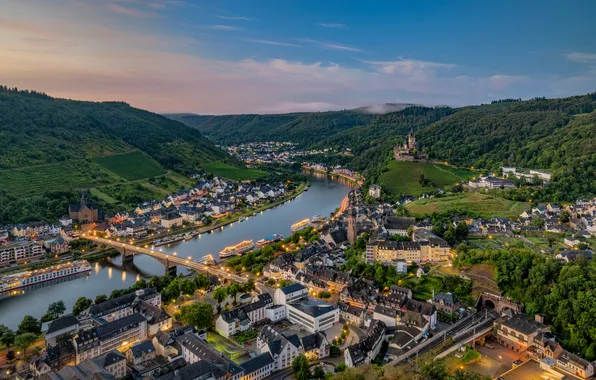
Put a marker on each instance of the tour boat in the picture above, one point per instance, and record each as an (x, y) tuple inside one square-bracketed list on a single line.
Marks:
[(207, 260), (23, 279), (268, 240), (238, 249), (318, 219), (300, 225)]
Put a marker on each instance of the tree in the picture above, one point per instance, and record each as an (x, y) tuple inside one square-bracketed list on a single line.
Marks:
[(202, 281), (10, 356), (188, 286), (341, 366), (324, 294), (318, 373), (100, 298), (461, 231), (7, 338), (300, 368), (220, 294), (537, 222), (434, 370), (233, 291), (82, 304), (271, 282), (29, 325), (590, 354), (57, 308), (564, 216), (198, 314), (23, 341), (249, 286)]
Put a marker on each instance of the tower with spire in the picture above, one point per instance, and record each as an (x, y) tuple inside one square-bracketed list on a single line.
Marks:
[(352, 227)]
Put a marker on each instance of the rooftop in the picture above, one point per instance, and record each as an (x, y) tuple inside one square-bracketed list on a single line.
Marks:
[(314, 308)]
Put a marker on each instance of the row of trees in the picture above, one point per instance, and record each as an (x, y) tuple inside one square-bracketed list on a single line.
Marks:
[(221, 293)]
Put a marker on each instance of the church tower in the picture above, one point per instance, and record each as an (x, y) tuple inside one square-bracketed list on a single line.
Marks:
[(352, 229)]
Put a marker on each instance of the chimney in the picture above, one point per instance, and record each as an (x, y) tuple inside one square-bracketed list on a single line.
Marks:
[(539, 318)]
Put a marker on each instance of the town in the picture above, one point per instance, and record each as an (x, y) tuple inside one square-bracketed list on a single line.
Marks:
[(362, 287)]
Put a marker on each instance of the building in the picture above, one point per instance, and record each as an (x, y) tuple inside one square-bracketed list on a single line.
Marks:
[(401, 266), (366, 350), (258, 367), (157, 318), (389, 252), (282, 348), (276, 313), (83, 212), (123, 306), (290, 293), (314, 315), (386, 314), (374, 191), (315, 346), (419, 314), (171, 219), (243, 318), (196, 350), (107, 337), (399, 225), (111, 365), (519, 331), (491, 183), (352, 226), (351, 314), (54, 358), (446, 303), (409, 150), (140, 352), (20, 251), (66, 325)]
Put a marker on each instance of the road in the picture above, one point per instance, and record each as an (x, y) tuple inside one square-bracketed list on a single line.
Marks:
[(169, 259)]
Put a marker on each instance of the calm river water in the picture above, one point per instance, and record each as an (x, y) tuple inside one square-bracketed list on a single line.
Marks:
[(321, 199)]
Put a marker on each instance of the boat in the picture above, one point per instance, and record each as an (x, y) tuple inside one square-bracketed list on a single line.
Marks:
[(242, 219), (300, 225), (318, 219), (238, 249), (268, 240), (207, 260), (24, 279), (191, 235)]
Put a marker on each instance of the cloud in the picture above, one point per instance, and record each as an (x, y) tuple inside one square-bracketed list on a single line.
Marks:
[(581, 57), (235, 18), (130, 11), (269, 42), (226, 27), (332, 25), (330, 45), (408, 66)]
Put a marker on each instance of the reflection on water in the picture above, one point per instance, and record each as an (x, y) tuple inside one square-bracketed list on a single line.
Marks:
[(109, 274), (41, 285)]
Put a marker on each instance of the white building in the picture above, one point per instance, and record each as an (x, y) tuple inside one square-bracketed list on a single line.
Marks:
[(290, 293), (276, 313), (282, 348), (243, 318), (375, 191), (366, 350), (401, 266), (314, 315), (258, 367)]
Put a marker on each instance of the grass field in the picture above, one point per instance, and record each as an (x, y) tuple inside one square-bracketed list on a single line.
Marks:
[(477, 204), (132, 166), (222, 169), (55, 177), (401, 177)]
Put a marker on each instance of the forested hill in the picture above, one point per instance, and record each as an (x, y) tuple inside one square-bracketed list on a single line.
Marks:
[(36, 129), (558, 135), (190, 119), (302, 128)]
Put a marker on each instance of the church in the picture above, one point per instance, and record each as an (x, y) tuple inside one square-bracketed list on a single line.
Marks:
[(83, 212), (409, 150)]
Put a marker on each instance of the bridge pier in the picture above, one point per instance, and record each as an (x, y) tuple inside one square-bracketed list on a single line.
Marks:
[(170, 269), (127, 257)]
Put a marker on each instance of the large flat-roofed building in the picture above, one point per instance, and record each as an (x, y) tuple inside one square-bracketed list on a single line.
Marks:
[(290, 293), (398, 225), (314, 315)]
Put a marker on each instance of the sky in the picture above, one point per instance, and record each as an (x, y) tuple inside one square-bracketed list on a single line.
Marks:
[(253, 56)]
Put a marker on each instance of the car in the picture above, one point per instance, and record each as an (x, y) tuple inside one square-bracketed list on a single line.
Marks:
[(488, 345)]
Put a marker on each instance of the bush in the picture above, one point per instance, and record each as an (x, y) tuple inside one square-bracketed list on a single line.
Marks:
[(334, 351)]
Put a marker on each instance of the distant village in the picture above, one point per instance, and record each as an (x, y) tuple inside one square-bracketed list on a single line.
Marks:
[(269, 152)]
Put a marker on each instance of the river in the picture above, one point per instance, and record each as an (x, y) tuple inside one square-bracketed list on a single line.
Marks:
[(323, 197)]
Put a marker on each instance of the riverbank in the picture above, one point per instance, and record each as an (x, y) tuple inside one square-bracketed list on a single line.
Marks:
[(227, 220), (352, 181)]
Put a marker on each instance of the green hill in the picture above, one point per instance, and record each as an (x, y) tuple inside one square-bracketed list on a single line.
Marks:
[(51, 149), (190, 119), (302, 128)]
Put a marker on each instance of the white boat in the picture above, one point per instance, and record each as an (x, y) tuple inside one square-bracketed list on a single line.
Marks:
[(242, 219), (238, 249), (318, 219), (268, 240), (23, 279), (207, 260), (300, 225)]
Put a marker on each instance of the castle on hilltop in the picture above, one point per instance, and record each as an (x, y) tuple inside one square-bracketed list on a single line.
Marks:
[(409, 150)]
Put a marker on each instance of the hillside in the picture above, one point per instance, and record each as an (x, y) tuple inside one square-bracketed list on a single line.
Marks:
[(190, 119), (51, 149), (302, 128), (558, 135)]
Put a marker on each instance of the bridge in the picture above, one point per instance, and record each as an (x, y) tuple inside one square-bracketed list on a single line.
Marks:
[(498, 303), (170, 262)]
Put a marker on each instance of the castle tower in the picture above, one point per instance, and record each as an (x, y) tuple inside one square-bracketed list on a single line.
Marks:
[(352, 229)]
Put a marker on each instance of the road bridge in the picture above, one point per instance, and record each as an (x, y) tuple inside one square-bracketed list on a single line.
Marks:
[(170, 262)]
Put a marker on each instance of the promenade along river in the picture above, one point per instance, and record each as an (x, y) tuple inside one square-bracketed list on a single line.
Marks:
[(323, 197)]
